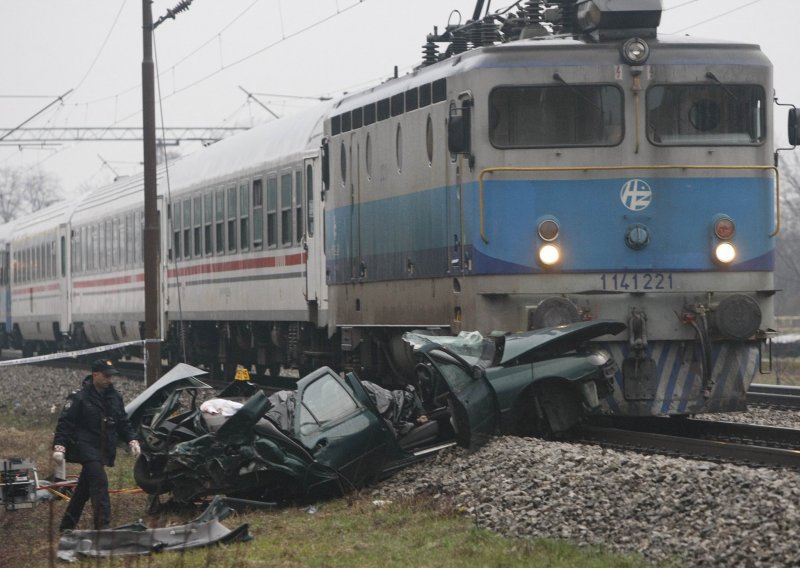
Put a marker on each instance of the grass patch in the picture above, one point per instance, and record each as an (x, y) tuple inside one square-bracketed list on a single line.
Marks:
[(341, 532)]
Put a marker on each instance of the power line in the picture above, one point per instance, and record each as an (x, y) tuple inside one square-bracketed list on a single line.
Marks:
[(681, 5), (717, 17), (103, 46)]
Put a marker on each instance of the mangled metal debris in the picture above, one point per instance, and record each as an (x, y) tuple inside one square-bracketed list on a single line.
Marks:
[(326, 434), (136, 539)]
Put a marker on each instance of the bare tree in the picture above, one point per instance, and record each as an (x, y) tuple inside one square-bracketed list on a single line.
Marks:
[(26, 191), (11, 193)]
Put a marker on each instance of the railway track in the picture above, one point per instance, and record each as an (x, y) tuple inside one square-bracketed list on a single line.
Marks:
[(778, 396), (717, 441)]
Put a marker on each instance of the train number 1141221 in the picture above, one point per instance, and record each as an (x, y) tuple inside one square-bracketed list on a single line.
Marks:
[(636, 281)]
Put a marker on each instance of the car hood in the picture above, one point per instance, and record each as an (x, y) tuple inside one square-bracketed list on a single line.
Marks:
[(517, 348), (181, 376), (527, 347)]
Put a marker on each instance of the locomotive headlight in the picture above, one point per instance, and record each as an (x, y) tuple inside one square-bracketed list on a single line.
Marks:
[(725, 252), (549, 254), (598, 358), (635, 51)]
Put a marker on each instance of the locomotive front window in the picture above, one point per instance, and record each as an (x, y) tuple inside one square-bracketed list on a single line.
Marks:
[(555, 116), (690, 115)]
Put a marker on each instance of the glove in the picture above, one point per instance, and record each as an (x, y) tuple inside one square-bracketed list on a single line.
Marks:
[(58, 454), (136, 450)]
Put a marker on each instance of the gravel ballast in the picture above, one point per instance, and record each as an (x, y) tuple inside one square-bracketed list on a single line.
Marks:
[(668, 509)]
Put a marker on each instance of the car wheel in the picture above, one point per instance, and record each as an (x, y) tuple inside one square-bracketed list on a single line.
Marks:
[(151, 480)]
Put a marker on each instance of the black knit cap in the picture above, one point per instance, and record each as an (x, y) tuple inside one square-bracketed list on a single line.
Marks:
[(105, 366)]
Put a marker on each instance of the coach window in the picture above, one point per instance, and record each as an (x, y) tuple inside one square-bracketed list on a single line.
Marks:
[(138, 231), (286, 209), (232, 219), (219, 220), (186, 223), (197, 227), (258, 213), (208, 220), (106, 244), (128, 239), (272, 211), (555, 116), (298, 206), (115, 242), (244, 212), (63, 256), (177, 228), (88, 249), (310, 200)]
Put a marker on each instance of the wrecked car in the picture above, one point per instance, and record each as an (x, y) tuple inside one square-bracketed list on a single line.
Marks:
[(279, 439)]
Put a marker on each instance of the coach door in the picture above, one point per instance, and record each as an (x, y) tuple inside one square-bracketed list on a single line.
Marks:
[(313, 241)]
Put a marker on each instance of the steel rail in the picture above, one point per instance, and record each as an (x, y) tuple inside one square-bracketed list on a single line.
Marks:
[(785, 396), (700, 448)]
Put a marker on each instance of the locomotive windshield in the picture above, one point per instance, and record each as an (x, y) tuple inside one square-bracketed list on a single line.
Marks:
[(553, 116), (682, 115)]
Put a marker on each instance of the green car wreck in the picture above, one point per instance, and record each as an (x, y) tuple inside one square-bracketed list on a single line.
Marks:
[(326, 434)]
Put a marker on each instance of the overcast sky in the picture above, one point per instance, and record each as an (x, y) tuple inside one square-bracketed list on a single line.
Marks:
[(311, 48)]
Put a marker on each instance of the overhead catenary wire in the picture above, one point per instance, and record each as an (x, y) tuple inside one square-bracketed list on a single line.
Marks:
[(714, 18)]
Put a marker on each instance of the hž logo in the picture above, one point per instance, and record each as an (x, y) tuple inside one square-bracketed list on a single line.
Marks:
[(636, 194)]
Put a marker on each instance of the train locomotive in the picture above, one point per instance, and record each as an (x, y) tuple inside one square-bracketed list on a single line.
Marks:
[(558, 163)]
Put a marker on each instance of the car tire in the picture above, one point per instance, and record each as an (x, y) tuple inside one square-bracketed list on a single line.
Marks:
[(151, 482)]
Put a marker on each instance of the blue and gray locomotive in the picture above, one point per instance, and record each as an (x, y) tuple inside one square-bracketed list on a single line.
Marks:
[(585, 168), (549, 163)]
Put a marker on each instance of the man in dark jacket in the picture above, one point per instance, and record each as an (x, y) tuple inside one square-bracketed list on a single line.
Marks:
[(92, 419)]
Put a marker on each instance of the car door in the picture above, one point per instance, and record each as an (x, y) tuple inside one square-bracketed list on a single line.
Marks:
[(472, 401), (340, 431)]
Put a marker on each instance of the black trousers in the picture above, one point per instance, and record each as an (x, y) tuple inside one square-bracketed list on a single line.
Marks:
[(92, 483)]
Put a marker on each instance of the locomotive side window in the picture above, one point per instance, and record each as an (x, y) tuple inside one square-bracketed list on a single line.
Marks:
[(555, 116), (286, 209), (232, 219), (685, 115), (272, 211), (219, 220), (258, 212), (424, 95)]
